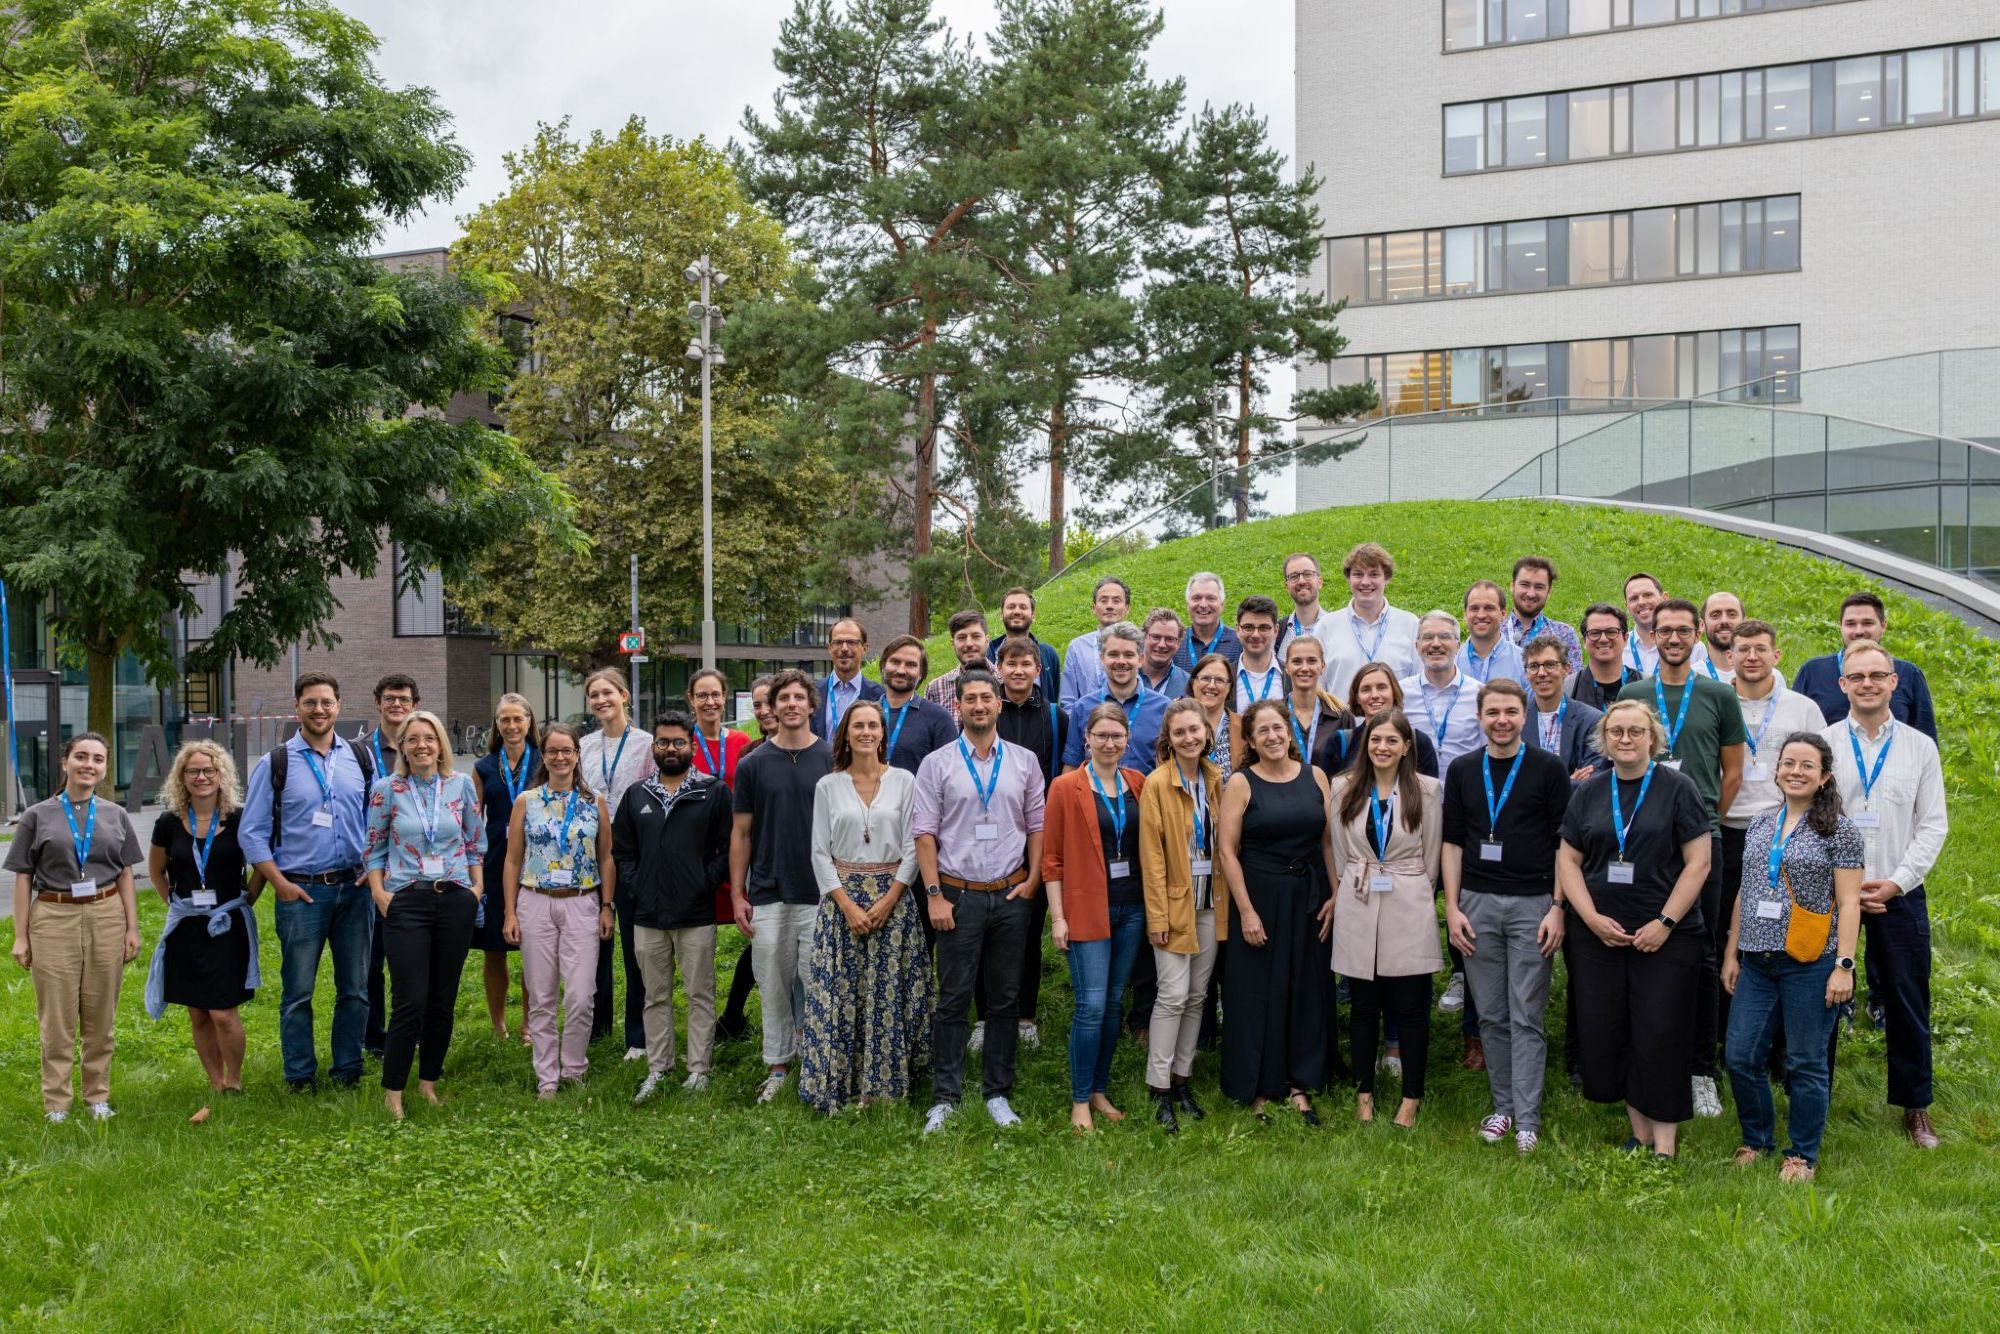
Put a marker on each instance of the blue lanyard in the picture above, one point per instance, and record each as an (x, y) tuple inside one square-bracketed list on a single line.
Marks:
[(1198, 650), (713, 757), (1297, 629), (1378, 811), (1198, 788), (608, 768), (897, 730), (429, 817), (1562, 711), (1368, 651), (1472, 662), (516, 781), (992, 784), (321, 777), (1438, 730), (1506, 790), (1116, 813), (81, 840), (833, 712), (1681, 716), (1632, 647), (1129, 705), (1778, 841), (202, 847), (1621, 826), (1862, 771), (1270, 675), (375, 743), (1709, 663), (569, 814), (1306, 739), (1770, 712)]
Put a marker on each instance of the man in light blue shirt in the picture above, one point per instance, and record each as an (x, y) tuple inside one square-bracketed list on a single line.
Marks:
[(1488, 654), (1082, 676), (1118, 664), (847, 646), (312, 858)]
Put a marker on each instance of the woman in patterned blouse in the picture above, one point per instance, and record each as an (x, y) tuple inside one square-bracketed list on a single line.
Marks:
[(1806, 855)]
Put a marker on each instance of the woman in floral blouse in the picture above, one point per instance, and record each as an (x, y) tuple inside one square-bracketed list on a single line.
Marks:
[(426, 842)]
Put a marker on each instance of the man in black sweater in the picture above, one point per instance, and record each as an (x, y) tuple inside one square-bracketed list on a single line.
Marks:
[(670, 841), (1503, 812)]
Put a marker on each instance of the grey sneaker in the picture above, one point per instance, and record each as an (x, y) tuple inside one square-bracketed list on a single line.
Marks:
[(1002, 1113), (649, 1089), (773, 1084), (1031, 1036), (939, 1114), (635, 1053), (101, 1111), (1525, 1141), (695, 1083), (1454, 994), (1706, 1103), (57, 1118), (977, 1038)]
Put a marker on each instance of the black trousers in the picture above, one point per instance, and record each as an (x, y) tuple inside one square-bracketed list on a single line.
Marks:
[(374, 1035), (426, 936), (635, 985), (1409, 1000), (1634, 1020), (741, 984), (1028, 997), (1144, 989), (1274, 1037), (1705, 1051), (989, 931), (1899, 945)]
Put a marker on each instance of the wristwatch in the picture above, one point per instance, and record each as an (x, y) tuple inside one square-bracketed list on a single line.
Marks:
[(1845, 961), (933, 891), (1668, 922)]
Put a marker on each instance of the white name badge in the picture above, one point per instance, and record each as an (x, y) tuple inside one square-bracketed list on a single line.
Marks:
[(1489, 850), (1201, 866), (1770, 911), (431, 866), (1119, 870), (202, 898), (1619, 873), (322, 819), (986, 833), (1381, 884), (1867, 819), (83, 889), (561, 878), (1673, 764), (1757, 773)]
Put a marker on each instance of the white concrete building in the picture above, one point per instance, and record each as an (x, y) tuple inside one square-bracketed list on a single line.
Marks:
[(1548, 209)]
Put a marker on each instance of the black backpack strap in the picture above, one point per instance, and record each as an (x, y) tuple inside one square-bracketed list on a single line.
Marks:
[(280, 761), (366, 759)]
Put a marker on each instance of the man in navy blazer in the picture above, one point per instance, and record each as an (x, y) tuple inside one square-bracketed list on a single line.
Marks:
[(847, 646), (1557, 723)]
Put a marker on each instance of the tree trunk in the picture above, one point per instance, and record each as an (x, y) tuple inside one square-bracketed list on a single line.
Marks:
[(1243, 440), (102, 713), (1057, 443), (924, 482)]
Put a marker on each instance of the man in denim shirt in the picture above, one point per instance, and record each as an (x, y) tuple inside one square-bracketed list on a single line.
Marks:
[(312, 860)]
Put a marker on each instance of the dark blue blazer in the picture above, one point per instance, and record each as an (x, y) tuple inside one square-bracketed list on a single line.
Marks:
[(1578, 746)]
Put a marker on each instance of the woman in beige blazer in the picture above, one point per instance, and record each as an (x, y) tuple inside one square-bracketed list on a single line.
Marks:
[(1388, 823)]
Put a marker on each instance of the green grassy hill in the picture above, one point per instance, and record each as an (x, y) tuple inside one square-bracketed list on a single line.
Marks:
[(499, 1212)]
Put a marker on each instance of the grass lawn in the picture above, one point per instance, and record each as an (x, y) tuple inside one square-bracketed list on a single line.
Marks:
[(499, 1212)]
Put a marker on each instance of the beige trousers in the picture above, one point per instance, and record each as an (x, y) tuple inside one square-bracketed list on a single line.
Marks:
[(78, 962)]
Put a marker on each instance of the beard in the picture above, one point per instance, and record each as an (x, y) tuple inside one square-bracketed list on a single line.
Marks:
[(676, 763)]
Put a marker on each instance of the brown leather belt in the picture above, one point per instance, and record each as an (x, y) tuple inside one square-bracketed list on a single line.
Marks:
[(109, 895), (559, 893), (1019, 876)]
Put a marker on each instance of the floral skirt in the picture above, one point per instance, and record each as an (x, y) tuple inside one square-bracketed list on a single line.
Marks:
[(869, 999)]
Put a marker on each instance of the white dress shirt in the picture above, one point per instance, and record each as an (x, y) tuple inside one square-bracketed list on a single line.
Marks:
[(1352, 643), (1450, 715), (1774, 717), (1908, 799), (1251, 686)]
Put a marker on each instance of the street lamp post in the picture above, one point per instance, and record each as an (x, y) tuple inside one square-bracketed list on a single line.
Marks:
[(705, 350)]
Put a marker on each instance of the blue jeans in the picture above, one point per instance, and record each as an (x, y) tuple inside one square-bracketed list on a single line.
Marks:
[(1097, 973), (342, 916), (1774, 989)]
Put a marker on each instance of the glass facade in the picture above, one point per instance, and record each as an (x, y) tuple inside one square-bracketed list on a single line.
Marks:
[(1471, 24), (1586, 250), (1854, 95), (1735, 365)]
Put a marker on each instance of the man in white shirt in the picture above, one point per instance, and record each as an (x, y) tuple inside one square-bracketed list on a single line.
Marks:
[(1488, 655), (1368, 629), (1892, 785), (1721, 613), (1643, 593), (1110, 599), (1258, 675)]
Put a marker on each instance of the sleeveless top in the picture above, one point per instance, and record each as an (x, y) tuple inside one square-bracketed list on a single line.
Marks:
[(542, 824), (1283, 825)]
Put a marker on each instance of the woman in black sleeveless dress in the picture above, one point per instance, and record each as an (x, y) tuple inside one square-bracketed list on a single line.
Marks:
[(1274, 852), (502, 774)]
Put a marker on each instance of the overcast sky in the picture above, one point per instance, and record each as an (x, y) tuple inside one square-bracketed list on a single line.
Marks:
[(500, 66)]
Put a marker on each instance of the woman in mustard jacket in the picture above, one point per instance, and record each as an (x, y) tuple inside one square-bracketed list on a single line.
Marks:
[(1185, 917)]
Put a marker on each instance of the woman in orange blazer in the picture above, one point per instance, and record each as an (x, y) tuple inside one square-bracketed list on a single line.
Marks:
[(1097, 901)]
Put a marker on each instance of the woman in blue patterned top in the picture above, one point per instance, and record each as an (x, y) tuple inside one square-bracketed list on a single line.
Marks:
[(1806, 855), (426, 840)]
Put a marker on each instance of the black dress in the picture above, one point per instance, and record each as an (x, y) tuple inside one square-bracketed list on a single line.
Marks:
[(1274, 1033), (204, 972), (498, 803)]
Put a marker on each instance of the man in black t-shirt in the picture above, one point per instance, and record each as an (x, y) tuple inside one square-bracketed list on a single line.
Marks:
[(1503, 812)]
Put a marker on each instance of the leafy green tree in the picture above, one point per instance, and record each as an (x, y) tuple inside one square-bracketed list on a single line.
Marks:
[(593, 238), (197, 358)]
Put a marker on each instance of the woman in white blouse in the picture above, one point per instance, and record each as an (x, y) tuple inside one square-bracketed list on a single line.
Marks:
[(868, 986)]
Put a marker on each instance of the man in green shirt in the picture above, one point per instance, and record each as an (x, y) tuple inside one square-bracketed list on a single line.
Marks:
[(1706, 741)]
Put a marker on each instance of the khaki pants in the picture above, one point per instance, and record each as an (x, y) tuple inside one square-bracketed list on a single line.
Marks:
[(78, 961), (1176, 1022), (693, 950)]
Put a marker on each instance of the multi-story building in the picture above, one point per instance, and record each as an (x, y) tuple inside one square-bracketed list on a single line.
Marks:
[(1536, 207)]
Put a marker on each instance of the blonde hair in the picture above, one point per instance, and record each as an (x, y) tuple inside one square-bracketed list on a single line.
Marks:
[(228, 784), (443, 739), (1653, 725)]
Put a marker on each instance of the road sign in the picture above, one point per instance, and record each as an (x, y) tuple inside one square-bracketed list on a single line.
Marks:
[(638, 658), (632, 641)]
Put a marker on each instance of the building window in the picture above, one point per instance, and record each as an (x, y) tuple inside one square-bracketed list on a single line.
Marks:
[(423, 610), (1734, 365), (1471, 24), (1854, 95), (1588, 250)]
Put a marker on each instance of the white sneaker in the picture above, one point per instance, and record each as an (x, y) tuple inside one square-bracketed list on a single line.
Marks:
[(935, 1118), (1031, 1036), (635, 1053), (57, 1118), (695, 1083), (773, 1084), (1495, 1127), (977, 1038), (1002, 1113), (1393, 1064), (1706, 1103), (648, 1090), (102, 1111), (1454, 994), (1526, 1140)]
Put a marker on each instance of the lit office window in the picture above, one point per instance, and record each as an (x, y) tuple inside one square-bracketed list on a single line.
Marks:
[(1471, 24)]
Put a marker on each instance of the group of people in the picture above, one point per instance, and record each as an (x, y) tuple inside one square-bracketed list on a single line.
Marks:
[(1247, 825)]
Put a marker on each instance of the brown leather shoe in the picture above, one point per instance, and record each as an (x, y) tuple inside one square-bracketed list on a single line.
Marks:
[(1917, 1124), (1475, 1054)]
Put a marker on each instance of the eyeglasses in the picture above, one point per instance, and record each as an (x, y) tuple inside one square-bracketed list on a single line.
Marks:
[(844, 643), (1602, 633), (553, 753), (681, 744), (1544, 667), (197, 773), (1872, 678), (1437, 637), (1296, 575), (1673, 632), (397, 699), (1628, 733)]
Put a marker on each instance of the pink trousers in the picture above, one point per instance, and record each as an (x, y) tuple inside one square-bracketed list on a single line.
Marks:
[(558, 946)]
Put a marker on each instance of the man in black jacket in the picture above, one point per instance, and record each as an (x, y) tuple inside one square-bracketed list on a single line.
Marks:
[(670, 839)]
